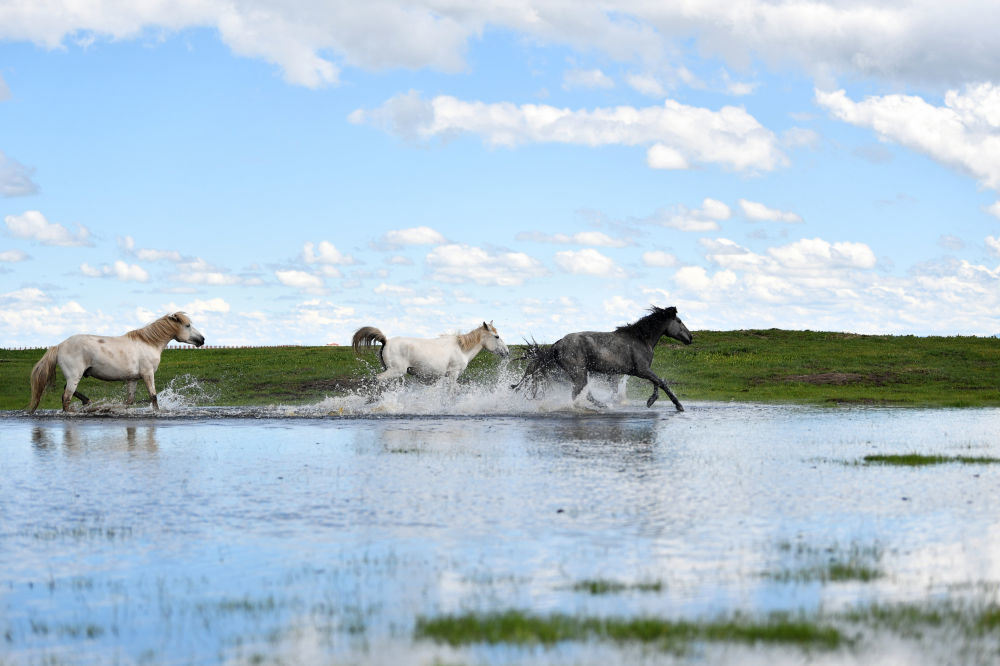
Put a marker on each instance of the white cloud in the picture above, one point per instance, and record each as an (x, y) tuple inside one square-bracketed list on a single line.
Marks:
[(993, 245), (12, 256), (26, 295), (994, 209), (595, 238), (621, 307), (588, 262), (15, 178), (466, 263), (759, 212), (127, 244), (658, 259), (392, 289), (33, 225), (325, 253), (204, 307), (299, 280), (919, 41), (963, 134), (119, 269), (646, 85), (702, 219), (413, 236), (4, 91), (586, 78), (679, 135)]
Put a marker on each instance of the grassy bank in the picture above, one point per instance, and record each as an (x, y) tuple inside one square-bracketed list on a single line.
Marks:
[(758, 366)]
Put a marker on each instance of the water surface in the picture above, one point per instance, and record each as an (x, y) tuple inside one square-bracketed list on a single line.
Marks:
[(321, 533)]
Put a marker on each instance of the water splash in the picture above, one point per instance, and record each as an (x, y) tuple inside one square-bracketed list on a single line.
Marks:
[(487, 393)]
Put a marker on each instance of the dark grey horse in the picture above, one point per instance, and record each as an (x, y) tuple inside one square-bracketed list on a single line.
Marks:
[(628, 350)]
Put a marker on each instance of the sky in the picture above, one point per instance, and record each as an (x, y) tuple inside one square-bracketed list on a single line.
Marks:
[(286, 171)]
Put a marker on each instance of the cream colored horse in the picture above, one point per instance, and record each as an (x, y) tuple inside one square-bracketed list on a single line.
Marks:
[(129, 357), (429, 358)]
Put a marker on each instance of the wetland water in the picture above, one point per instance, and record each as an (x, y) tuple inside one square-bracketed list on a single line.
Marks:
[(302, 536)]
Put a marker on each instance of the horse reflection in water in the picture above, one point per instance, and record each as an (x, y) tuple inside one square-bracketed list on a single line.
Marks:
[(75, 440), (628, 350)]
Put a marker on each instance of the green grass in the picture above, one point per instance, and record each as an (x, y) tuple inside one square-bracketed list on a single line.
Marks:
[(810, 367), (920, 460), (523, 628), (773, 365), (601, 586)]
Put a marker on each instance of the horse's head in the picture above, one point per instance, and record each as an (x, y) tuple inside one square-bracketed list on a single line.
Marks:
[(491, 340), (676, 328), (184, 331)]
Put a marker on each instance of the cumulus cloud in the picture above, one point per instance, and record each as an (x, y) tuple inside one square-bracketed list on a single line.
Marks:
[(127, 244), (12, 256), (413, 236), (646, 84), (677, 135), (465, 263), (325, 253), (15, 178), (311, 42), (993, 245), (33, 225), (658, 259), (588, 262), (595, 238), (756, 212), (299, 280), (586, 78), (119, 270), (994, 209), (682, 218), (621, 307), (963, 134)]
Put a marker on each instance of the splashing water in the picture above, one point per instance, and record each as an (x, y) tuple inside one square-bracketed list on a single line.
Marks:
[(489, 394)]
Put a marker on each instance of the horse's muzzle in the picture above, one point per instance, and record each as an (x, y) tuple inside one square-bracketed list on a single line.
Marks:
[(198, 342)]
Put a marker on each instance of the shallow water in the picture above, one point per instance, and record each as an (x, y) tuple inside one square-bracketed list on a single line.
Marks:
[(321, 533)]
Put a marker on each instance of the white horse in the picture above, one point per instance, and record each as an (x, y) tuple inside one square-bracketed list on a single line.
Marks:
[(429, 358), (129, 357)]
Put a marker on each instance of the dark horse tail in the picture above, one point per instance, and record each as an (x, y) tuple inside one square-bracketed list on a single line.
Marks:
[(366, 336), (540, 360)]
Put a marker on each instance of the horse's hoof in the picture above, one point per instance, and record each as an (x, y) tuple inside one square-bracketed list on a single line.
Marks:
[(680, 408), (649, 403)]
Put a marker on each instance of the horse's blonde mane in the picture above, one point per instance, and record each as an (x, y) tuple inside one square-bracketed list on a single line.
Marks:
[(466, 341), (160, 331)]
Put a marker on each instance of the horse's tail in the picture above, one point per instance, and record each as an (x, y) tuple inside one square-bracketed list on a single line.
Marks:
[(366, 336), (540, 359), (43, 375)]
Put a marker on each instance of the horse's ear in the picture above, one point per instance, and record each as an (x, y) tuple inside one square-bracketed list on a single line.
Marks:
[(486, 326), (174, 317)]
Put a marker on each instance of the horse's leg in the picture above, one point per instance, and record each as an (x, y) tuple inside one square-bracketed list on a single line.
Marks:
[(72, 381), (579, 379), (658, 383), (147, 377), (84, 399), (130, 396)]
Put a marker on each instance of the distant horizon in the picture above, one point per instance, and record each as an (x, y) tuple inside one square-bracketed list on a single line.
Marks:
[(290, 170)]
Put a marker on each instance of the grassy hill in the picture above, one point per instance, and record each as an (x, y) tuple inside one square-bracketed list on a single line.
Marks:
[(755, 366)]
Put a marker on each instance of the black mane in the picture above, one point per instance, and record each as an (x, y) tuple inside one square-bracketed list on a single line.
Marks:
[(649, 325)]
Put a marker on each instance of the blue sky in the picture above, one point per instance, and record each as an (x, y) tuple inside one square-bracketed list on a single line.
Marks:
[(288, 171)]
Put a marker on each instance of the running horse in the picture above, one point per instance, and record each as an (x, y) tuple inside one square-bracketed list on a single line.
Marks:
[(129, 357), (429, 358), (628, 350)]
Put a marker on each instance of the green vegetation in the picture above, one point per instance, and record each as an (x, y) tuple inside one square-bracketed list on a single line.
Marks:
[(520, 628), (755, 366), (920, 460), (834, 564), (601, 586), (833, 368)]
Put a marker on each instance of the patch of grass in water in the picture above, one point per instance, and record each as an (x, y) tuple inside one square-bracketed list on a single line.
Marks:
[(856, 563), (600, 586), (920, 460), (520, 628)]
